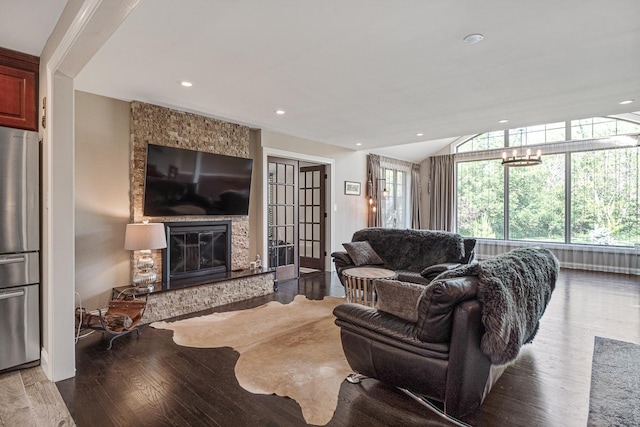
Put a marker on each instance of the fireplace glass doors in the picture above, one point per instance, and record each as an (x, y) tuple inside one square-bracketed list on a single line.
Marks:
[(196, 251)]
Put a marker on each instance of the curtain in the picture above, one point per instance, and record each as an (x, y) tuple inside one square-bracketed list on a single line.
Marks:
[(441, 192), (415, 197), (374, 218)]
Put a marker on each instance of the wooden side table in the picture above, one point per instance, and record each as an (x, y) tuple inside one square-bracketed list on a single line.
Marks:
[(358, 283)]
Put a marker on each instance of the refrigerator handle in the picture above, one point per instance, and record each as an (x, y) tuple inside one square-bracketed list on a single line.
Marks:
[(12, 294), (12, 259)]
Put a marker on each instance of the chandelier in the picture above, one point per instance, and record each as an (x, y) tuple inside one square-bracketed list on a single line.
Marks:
[(524, 160)]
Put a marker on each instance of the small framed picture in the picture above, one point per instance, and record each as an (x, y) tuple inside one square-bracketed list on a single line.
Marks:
[(352, 188)]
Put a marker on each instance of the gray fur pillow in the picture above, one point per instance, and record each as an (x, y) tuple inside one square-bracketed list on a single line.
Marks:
[(399, 298), (362, 253)]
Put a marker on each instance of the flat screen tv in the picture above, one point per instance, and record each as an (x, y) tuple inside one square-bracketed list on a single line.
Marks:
[(187, 182)]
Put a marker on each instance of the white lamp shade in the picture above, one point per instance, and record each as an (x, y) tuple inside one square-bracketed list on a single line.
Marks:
[(145, 236)]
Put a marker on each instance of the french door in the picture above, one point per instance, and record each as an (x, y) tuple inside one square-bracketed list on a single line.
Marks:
[(282, 217), (312, 215)]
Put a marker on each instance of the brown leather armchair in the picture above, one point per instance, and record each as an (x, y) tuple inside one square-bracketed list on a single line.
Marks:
[(437, 355), (451, 339)]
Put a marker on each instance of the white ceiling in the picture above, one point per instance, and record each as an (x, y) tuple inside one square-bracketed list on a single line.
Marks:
[(375, 72), (25, 25)]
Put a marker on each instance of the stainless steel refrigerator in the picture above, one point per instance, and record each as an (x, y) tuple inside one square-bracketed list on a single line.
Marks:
[(19, 248)]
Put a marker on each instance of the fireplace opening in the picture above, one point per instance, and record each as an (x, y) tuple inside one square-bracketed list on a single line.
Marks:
[(196, 252)]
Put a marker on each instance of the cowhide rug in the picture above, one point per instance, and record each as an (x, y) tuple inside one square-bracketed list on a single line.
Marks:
[(289, 350)]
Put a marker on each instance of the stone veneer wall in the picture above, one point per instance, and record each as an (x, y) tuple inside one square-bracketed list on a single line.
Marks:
[(165, 305), (173, 128)]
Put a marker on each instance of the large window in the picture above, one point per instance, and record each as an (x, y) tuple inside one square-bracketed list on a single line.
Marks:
[(601, 127), (485, 141), (540, 134), (604, 197), (481, 199), (395, 206), (537, 201), (583, 193)]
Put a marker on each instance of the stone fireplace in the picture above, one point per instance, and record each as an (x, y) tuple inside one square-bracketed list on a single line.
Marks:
[(214, 257), (196, 252), (164, 126)]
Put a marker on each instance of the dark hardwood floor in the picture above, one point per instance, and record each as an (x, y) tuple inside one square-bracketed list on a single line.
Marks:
[(151, 381)]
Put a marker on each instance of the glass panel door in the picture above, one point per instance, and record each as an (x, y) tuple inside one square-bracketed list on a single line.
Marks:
[(312, 217), (282, 230)]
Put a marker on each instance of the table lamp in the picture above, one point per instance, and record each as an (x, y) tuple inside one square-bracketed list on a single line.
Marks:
[(144, 237)]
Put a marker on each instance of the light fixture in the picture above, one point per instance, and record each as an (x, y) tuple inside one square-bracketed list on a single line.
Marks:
[(628, 101), (186, 83), (144, 237), (473, 38), (526, 160), (419, 134), (503, 121), (280, 112), (384, 192), (358, 144)]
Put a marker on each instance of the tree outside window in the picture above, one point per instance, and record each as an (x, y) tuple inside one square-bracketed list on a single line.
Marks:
[(537, 201), (593, 189), (481, 199), (604, 197)]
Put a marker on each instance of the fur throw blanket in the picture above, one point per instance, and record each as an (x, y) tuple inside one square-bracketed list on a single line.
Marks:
[(514, 289), (412, 250)]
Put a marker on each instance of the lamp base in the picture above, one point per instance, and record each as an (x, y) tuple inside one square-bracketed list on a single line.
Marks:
[(144, 289), (145, 276)]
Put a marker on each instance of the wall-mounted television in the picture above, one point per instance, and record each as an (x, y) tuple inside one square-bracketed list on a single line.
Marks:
[(186, 182)]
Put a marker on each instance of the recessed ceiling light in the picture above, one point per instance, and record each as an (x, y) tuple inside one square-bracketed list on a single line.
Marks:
[(358, 143), (186, 83), (280, 112), (503, 121), (628, 101), (473, 38), (419, 134)]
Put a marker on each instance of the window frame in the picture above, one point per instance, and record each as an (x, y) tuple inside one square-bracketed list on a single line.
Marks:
[(406, 205), (567, 147)]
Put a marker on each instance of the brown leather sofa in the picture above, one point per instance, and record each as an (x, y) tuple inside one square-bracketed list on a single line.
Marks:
[(439, 356), (416, 256), (451, 340)]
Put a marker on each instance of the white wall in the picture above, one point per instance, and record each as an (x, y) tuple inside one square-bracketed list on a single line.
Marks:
[(80, 31), (101, 196), (57, 356)]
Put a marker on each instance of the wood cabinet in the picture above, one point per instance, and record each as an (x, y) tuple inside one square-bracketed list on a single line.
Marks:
[(18, 90)]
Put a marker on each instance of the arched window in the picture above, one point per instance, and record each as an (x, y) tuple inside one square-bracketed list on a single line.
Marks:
[(587, 190), (595, 127)]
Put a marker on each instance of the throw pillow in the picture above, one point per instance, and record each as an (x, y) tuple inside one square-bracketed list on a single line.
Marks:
[(399, 298), (362, 253)]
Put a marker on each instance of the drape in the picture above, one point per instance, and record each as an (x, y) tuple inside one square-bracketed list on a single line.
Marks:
[(416, 190), (375, 163), (441, 192), (374, 218)]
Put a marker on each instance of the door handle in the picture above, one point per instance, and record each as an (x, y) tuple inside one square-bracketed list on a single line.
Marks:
[(13, 294), (12, 259)]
